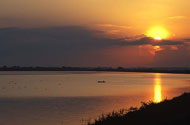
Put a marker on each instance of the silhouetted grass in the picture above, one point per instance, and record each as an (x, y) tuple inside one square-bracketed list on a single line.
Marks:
[(168, 112)]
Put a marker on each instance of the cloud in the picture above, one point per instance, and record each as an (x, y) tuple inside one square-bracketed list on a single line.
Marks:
[(149, 41), (173, 58), (114, 26), (73, 36), (176, 17), (69, 45), (187, 40)]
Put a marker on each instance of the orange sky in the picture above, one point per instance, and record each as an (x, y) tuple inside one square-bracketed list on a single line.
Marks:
[(135, 16), (128, 22)]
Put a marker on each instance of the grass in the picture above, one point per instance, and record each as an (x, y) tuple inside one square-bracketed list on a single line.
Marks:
[(167, 112)]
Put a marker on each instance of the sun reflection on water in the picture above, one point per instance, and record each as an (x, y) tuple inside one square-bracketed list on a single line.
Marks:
[(157, 89)]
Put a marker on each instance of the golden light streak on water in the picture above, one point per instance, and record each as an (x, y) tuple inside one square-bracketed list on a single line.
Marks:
[(157, 89)]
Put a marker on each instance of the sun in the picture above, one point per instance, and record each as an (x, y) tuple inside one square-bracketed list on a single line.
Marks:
[(157, 38), (158, 33)]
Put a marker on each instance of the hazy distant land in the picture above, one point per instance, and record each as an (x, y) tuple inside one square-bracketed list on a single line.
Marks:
[(185, 70)]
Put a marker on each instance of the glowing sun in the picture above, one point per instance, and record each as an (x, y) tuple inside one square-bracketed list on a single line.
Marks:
[(158, 33)]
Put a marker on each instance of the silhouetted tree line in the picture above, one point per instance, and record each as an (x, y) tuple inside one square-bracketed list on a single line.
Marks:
[(119, 69)]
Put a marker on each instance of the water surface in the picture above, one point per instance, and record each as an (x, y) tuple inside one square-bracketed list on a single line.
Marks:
[(71, 98)]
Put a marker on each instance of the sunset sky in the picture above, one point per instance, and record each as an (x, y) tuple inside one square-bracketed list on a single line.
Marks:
[(128, 33)]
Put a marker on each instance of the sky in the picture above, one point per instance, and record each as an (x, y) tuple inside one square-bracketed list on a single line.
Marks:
[(90, 33)]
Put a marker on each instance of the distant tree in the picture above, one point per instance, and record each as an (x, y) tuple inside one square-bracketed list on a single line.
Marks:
[(120, 68)]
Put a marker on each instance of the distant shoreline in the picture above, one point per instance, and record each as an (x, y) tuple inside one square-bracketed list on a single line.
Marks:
[(176, 70)]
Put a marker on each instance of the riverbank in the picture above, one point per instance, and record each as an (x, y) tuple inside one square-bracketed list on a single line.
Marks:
[(178, 70), (168, 112)]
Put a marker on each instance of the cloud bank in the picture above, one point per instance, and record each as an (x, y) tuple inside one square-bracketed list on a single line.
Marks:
[(79, 46)]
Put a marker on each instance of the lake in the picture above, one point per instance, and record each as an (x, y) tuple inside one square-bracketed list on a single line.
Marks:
[(73, 98)]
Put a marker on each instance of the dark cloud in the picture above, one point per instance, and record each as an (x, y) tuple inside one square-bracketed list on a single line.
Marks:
[(150, 41), (48, 46), (71, 45), (141, 41), (168, 42), (173, 58), (187, 40)]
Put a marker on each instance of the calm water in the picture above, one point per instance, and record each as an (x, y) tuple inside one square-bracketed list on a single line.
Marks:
[(71, 98)]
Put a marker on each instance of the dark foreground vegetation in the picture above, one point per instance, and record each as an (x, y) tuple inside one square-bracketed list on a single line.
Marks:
[(119, 69), (168, 112)]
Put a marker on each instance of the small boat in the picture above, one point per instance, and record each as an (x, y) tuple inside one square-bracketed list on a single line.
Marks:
[(101, 81)]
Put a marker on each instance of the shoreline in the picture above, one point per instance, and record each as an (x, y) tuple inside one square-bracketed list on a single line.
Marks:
[(168, 112), (163, 71)]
